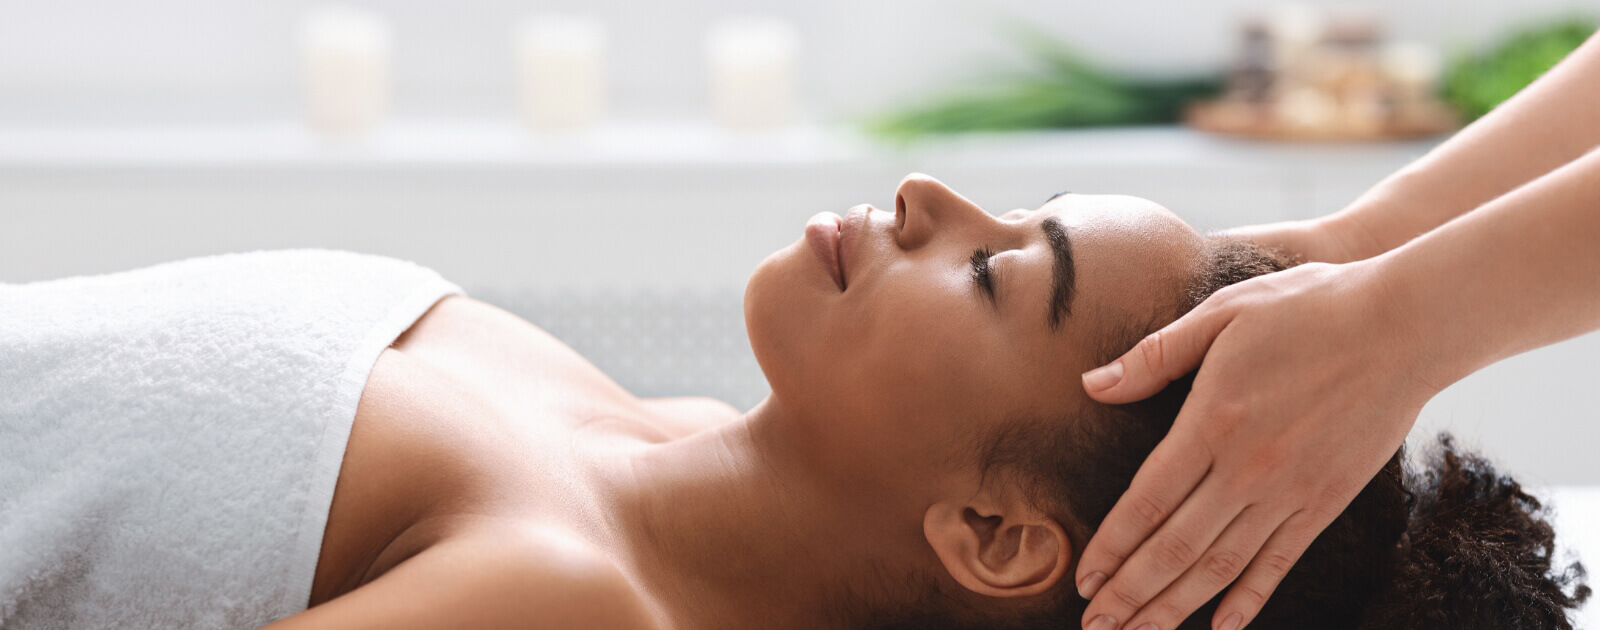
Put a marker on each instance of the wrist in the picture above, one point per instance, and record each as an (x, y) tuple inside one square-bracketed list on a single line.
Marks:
[(1389, 214), (1351, 233), (1411, 323)]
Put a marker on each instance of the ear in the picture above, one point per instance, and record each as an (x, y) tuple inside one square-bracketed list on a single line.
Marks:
[(998, 549)]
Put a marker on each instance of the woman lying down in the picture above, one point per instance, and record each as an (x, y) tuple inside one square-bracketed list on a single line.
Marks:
[(231, 441)]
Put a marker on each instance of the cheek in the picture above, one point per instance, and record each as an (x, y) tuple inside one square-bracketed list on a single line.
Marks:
[(911, 366), (885, 376), (919, 325)]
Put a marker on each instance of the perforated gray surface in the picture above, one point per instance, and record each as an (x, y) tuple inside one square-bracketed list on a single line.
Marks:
[(654, 343)]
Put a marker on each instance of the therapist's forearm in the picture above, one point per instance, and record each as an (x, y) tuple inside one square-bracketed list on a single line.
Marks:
[(1551, 122), (1521, 272)]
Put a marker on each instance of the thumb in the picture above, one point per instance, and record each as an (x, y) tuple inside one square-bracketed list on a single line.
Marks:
[(1160, 358)]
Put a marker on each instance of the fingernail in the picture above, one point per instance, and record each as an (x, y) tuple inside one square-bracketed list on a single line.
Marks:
[(1149, 626), (1103, 378), (1103, 622), (1091, 584), (1232, 622)]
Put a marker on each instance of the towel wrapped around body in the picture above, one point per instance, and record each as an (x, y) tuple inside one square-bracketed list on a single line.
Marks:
[(170, 437)]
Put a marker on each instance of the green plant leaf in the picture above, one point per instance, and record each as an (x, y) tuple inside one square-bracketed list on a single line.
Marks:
[(1476, 84), (1058, 88)]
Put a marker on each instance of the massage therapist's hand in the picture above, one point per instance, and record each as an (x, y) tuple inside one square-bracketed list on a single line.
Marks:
[(1307, 388)]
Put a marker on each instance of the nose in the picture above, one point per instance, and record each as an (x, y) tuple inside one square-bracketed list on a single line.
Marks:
[(923, 206)]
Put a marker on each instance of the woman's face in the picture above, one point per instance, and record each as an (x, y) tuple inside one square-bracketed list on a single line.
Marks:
[(950, 321)]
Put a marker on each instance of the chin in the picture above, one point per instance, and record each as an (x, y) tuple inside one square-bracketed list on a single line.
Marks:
[(784, 308)]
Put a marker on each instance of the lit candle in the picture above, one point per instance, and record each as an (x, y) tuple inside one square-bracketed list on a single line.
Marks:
[(346, 55), (560, 71), (752, 63)]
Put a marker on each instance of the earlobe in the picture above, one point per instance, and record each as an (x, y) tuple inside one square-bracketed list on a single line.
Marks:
[(1010, 552)]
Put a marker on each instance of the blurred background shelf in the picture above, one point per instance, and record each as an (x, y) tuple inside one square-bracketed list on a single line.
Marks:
[(704, 203), (445, 143), (420, 143)]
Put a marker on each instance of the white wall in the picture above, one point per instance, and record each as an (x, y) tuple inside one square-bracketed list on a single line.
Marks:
[(187, 59)]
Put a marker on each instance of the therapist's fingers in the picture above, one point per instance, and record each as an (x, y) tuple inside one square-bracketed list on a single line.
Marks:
[(1183, 541), (1162, 356), (1165, 480), (1218, 567), (1246, 597)]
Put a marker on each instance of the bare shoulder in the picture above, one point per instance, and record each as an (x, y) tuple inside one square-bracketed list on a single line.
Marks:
[(490, 347), (460, 318), (513, 576)]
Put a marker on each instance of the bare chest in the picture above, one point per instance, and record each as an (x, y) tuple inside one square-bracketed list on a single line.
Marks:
[(470, 417)]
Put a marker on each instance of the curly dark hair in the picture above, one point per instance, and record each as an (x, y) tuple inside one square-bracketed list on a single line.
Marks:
[(1456, 545)]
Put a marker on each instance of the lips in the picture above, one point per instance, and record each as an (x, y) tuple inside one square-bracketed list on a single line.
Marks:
[(823, 234), (849, 230)]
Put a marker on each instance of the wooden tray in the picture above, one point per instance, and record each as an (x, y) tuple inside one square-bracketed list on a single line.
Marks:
[(1251, 120)]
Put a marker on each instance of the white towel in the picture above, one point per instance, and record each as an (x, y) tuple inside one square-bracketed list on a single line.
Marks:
[(170, 437)]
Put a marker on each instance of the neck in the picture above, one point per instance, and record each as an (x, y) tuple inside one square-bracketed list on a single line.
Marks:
[(724, 528)]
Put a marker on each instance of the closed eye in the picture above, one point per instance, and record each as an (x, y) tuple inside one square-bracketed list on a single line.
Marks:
[(982, 272)]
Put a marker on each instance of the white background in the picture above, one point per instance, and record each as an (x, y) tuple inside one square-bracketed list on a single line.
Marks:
[(186, 59)]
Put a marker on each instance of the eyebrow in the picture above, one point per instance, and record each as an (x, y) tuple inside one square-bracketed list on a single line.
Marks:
[(1063, 274)]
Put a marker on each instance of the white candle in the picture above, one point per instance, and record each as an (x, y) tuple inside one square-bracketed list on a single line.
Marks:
[(346, 59), (1413, 67), (560, 71), (753, 68)]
